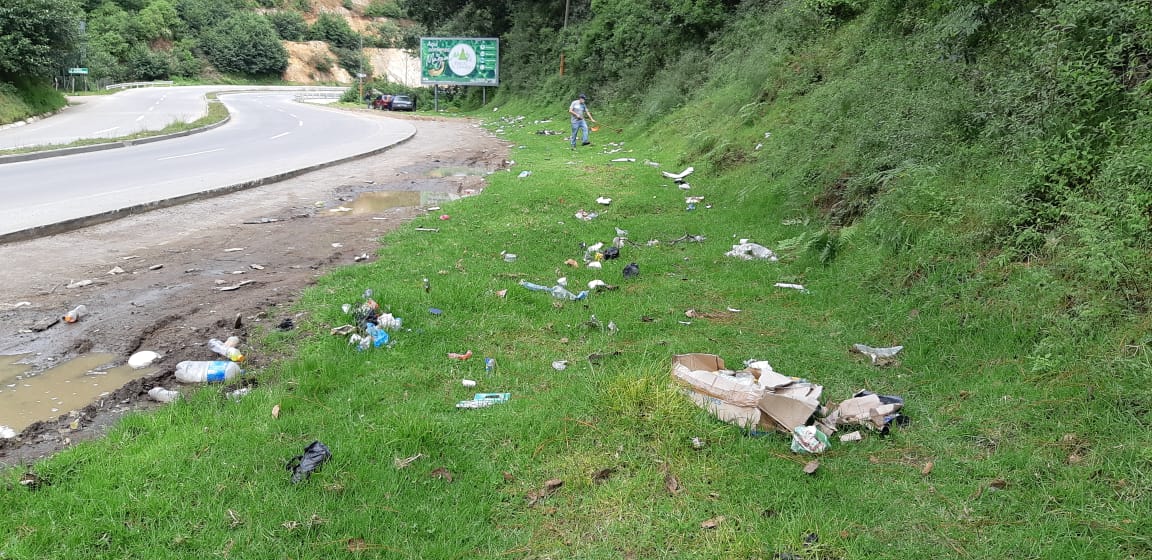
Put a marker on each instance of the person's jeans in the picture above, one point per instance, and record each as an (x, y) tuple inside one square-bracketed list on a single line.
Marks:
[(578, 126)]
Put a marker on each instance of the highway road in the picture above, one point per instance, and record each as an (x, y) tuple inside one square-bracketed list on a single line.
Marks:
[(269, 134), (120, 114)]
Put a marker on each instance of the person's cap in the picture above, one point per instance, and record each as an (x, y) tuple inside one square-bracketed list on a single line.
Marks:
[(582, 96)]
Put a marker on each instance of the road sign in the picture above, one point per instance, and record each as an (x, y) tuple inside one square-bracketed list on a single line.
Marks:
[(75, 71), (460, 61)]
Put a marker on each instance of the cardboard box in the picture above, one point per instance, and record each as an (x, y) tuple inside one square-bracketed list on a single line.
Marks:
[(728, 395)]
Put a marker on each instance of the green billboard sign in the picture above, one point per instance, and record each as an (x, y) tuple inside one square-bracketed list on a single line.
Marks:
[(459, 61)]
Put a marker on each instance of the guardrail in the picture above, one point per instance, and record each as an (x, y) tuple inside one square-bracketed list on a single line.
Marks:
[(320, 94), (137, 84)]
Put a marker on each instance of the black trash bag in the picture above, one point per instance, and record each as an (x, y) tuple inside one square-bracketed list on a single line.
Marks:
[(611, 253), (302, 466)]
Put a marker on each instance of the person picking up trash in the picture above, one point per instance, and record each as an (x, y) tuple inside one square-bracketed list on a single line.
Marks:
[(580, 117)]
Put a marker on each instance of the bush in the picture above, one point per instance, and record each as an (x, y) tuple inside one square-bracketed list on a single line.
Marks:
[(290, 26), (334, 30), (384, 8)]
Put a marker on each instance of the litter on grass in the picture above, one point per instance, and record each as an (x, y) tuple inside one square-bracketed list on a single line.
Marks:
[(751, 251), (678, 176), (314, 457), (790, 286), (482, 400), (557, 291), (879, 356)]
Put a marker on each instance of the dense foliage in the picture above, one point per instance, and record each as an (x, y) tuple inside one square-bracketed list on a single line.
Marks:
[(34, 34), (246, 44)]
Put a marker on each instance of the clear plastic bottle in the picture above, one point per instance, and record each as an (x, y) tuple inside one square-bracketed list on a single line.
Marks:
[(206, 372), (75, 315), (223, 349)]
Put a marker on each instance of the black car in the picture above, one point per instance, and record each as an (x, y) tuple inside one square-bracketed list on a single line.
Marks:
[(403, 103)]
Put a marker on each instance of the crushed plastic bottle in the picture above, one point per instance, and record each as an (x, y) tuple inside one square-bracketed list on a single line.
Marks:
[(160, 394), (222, 348), (75, 315), (558, 291)]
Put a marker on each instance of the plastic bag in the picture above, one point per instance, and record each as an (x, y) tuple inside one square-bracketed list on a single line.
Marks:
[(302, 466)]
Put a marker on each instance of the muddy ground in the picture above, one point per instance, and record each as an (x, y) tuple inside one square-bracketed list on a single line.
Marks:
[(175, 260)]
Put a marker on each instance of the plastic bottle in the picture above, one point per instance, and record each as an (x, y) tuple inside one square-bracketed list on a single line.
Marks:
[(75, 314), (379, 336), (489, 365), (206, 372), (225, 350), (232, 342), (163, 395)]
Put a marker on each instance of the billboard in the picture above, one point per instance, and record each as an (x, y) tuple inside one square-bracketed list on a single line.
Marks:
[(459, 61)]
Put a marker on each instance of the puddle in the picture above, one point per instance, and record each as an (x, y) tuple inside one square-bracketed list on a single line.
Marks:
[(441, 172), (377, 202), (69, 386)]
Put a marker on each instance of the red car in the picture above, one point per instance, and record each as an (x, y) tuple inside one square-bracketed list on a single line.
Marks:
[(382, 102)]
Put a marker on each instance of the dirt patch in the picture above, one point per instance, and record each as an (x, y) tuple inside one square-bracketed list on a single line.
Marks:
[(313, 61), (174, 261)]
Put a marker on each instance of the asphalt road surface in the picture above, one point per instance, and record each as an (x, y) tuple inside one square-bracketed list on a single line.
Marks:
[(269, 133)]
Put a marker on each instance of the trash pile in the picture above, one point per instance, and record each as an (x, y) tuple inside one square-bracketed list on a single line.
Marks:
[(371, 327), (760, 399)]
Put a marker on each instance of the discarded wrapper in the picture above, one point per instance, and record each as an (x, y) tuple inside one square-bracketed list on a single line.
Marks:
[(302, 466), (482, 400), (808, 439)]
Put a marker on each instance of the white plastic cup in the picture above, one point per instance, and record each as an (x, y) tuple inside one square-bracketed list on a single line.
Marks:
[(467, 382)]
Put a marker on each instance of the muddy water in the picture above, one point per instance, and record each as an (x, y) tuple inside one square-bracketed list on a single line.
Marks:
[(380, 201), (72, 385)]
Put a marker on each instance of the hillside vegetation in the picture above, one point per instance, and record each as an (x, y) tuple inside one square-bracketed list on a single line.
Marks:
[(966, 178)]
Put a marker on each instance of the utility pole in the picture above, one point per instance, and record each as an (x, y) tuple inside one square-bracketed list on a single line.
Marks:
[(566, 4)]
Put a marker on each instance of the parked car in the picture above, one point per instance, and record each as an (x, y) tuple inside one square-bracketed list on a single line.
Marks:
[(403, 103), (383, 102)]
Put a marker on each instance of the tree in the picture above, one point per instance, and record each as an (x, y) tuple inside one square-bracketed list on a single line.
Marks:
[(334, 29), (289, 25), (36, 36), (245, 44), (159, 20)]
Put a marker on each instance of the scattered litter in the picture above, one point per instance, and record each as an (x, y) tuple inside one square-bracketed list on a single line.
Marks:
[(239, 393), (757, 148), (276, 411), (501, 293), (235, 286), (604, 200), (572, 263), (445, 217), (808, 439), (550, 487), (79, 284), (482, 400), (434, 230), (262, 221), (461, 357), (256, 267), (594, 264), (557, 291), (337, 245), (693, 199), (360, 257), (509, 257), (697, 443), (712, 523), (75, 314), (790, 286), (678, 176), (233, 249), (524, 174), (436, 311), (129, 257), (751, 251), (632, 270), (468, 382), (116, 270), (879, 356), (142, 359), (585, 215), (230, 352), (343, 330), (877, 412), (302, 466), (402, 463), (624, 160), (206, 372), (684, 187), (560, 365), (340, 209), (851, 436), (7, 433), (927, 470), (811, 466)]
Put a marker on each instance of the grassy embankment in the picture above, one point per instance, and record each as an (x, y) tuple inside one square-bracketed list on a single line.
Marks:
[(1029, 415), (18, 102)]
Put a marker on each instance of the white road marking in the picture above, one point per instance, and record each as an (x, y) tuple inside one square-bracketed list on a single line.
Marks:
[(280, 135), (190, 155), (299, 123), (140, 118), (105, 130)]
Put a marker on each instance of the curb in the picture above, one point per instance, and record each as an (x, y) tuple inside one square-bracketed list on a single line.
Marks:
[(112, 215), (16, 158)]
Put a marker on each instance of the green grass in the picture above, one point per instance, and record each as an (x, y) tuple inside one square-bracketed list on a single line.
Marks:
[(204, 477), (216, 112), (23, 99)]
